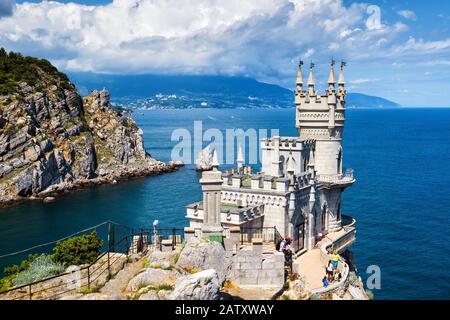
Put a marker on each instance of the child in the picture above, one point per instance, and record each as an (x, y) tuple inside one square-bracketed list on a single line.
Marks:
[(325, 282)]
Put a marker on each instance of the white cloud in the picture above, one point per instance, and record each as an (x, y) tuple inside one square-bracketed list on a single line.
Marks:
[(407, 14), (360, 81), (258, 38)]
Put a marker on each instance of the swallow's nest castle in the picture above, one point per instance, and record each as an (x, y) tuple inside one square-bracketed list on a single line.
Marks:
[(299, 188)]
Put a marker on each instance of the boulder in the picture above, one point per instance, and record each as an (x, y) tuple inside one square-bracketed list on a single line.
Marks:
[(203, 285), (150, 295), (152, 277), (200, 255), (357, 293)]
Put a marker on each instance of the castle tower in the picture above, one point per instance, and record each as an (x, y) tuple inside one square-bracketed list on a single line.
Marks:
[(211, 182), (321, 118)]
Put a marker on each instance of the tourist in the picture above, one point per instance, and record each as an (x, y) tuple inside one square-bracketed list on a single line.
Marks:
[(329, 270), (337, 275), (325, 282), (335, 259), (285, 247)]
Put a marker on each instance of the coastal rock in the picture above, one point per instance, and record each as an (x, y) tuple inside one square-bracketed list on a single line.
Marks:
[(152, 277), (357, 293), (203, 285), (201, 255), (52, 140), (150, 295)]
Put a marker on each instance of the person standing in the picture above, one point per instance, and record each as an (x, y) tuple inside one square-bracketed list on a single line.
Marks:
[(335, 257)]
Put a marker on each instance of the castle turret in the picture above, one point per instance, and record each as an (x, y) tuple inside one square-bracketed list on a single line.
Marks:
[(211, 182), (322, 120), (331, 100)]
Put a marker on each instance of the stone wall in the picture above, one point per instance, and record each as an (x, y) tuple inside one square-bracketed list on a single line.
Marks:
[(252, 267)]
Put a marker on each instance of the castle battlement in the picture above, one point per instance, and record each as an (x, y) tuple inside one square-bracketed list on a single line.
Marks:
[(320, 117)]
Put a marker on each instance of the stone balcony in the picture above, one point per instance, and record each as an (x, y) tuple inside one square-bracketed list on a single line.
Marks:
[(342, 180)]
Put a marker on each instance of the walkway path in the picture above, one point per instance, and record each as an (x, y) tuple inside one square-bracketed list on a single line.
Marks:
[(311, 268), (116, 287)]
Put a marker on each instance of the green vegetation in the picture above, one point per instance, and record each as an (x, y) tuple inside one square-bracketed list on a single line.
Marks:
[(41, 268), (17, 268), (15, 68), (78, 250)]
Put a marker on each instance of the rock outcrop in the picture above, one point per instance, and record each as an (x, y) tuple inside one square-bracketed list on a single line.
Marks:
[(204, 285), (53, 140), (200, 255)]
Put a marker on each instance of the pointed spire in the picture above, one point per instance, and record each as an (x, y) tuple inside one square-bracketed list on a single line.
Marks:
[(299, 81), (215, 162), (331, 80), (240, 157), (311, 78), (341, 81)]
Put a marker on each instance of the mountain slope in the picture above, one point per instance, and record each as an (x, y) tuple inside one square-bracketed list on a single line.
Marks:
[(215, 91), (52, 140), (359, 100)]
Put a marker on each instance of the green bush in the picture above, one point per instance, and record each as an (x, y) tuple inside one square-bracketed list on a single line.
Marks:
[(78, 250), (41, 268), (17, 268)]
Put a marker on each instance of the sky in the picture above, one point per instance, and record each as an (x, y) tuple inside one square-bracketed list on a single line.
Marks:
[(398, 49)]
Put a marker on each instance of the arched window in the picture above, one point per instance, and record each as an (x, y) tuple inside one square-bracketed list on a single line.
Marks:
[(324, 216)]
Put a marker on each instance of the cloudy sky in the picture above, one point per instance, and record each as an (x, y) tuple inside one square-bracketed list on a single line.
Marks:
[(395, 49)]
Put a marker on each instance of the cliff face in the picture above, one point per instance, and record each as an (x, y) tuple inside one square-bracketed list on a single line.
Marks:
[(52, 140)]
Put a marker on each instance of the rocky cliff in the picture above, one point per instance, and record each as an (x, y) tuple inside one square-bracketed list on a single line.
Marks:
[(53, 140)]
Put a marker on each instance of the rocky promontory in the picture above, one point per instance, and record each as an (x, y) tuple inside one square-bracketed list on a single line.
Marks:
[(52, 140)]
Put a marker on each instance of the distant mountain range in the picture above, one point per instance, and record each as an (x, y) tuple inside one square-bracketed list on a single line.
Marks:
[(182, 91)]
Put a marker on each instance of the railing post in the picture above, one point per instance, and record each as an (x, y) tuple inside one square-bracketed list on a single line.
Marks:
[(109, 264), (174, 240), (89, 278)]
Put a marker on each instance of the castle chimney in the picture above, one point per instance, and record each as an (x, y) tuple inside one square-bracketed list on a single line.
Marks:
[(311, 80)]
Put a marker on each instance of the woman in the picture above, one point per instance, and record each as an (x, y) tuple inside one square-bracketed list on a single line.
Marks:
[(330, 270), (335, 259)]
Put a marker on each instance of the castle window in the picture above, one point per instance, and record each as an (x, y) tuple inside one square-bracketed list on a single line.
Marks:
[(324, 217), (339, 162)]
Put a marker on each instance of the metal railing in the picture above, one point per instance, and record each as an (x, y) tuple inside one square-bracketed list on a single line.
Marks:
[(90, 277), (81, 279), (267, 234)]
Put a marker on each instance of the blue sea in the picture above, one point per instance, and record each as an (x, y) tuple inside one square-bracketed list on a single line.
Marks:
[(401, 200)]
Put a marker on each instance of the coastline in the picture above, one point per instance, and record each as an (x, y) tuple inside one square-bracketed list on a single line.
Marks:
[(120, 174)]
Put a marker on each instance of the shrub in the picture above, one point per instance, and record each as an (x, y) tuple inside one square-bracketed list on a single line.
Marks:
[(17, 268), (41, 268), (78, 250)]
